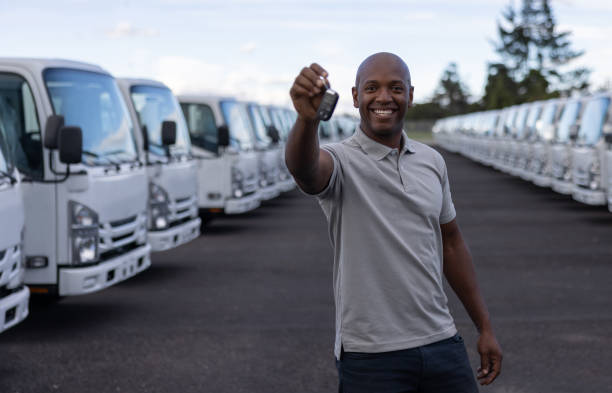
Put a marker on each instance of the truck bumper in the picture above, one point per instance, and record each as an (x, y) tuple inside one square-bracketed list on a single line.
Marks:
[(14, 308), (269, 192), (589, 197), (525, 174), (563, 187), (242, 205), (541, 180), (286, 185), (175, 236), (79, 281)]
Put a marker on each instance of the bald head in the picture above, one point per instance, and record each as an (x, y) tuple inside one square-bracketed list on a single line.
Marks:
[(386, 58)]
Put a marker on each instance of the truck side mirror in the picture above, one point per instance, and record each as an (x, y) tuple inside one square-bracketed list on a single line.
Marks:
[(168, 132), (70, 144), (223, 138), (52, 129), (574, 131), (145, 138), (608, 138), (273, 134)]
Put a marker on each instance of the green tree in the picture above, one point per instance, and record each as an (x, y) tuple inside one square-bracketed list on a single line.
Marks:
[(451, 94), (529, 40), (501, 89)]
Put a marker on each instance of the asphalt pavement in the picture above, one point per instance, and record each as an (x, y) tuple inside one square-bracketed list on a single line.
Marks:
[(248, 307)]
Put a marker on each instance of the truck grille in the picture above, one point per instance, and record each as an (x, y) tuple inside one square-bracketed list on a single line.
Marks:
[(10, 264), (180, 209), (581, 178), (118, 234)]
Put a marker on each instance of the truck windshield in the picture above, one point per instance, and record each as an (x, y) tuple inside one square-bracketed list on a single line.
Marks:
[(542, 126), (592, 120), (568, 118), (92, 101), (155, 105), (19, 126), (259, 126), (509, 120), (238, 122), (5, 164), (519, 122), (532, 118)]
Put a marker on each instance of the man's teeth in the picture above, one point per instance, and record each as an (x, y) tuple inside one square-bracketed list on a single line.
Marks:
[(383, 111)]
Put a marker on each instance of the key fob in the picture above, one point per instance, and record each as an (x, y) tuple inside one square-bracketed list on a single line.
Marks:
[(328, 104)]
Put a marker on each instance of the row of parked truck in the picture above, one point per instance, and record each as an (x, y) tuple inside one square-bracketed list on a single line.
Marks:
[(96, 173), (563, 143)]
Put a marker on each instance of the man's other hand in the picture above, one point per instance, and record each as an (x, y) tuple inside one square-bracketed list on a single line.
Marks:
[(307, 91), (490, 357)]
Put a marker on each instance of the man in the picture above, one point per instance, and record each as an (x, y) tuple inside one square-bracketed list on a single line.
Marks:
[(393, 229)]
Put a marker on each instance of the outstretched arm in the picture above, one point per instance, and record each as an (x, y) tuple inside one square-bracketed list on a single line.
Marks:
[(310, 166), (460, 273)]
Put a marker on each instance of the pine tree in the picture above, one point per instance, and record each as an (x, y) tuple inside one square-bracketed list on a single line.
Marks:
[(529, 41), (451, 94)]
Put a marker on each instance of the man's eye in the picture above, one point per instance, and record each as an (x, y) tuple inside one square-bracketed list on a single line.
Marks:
[(370, 88), (398, 89)]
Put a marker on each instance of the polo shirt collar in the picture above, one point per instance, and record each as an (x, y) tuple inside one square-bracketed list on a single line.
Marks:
[(378, 150)]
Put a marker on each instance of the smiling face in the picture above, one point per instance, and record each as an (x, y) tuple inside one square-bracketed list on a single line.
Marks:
[(382, 93)]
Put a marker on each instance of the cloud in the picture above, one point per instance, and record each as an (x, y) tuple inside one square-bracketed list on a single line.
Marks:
[(126, 29), (248, 47)]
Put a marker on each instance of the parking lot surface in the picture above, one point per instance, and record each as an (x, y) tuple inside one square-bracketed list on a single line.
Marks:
[(248, 306)]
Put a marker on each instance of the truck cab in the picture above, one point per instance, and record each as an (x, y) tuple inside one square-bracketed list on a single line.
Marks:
[(539, 166), (272, 118), (590, 152), (164, 144), (84, 186), (503, 134), (267, 148), (228, 171), (561, 148), (526, 139), (14, 295)]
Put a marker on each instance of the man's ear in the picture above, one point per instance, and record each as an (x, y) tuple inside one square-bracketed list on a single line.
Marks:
[(410, 96), (355, 98)]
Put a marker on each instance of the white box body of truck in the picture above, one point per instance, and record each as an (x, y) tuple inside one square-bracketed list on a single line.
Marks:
[(84, 231), (14, 295), (228, 176), (171, 170)]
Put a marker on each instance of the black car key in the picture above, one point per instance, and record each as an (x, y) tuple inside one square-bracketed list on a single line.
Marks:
[(328, 104)]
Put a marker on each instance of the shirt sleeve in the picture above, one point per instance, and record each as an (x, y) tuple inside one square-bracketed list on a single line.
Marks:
[(447, 213)]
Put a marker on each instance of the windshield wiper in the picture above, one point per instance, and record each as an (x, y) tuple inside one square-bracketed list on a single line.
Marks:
[(9, 176)]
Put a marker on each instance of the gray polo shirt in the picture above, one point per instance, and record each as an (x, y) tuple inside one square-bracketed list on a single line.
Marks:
[(384, 210)]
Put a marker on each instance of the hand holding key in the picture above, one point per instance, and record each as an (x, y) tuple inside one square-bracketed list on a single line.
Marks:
[(310, 90)]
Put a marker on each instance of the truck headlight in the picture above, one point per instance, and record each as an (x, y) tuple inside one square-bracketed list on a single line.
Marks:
[(595, 169), (237, 179), (84, 233), (158, 207)]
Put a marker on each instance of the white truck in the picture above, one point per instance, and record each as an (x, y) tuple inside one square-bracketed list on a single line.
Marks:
[(539, 165), (164, 144), (84, 187), (272, 119), (14, 295), (561, 148), (267, 148), (590, 154), (228, 172)]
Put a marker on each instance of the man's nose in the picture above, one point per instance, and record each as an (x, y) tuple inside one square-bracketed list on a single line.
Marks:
[(384, 96)]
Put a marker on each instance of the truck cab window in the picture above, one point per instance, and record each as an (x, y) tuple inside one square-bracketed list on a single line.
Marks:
[(202, 128), (20, 125)]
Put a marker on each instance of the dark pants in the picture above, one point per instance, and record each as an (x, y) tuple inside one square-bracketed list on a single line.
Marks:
[(441, 367)]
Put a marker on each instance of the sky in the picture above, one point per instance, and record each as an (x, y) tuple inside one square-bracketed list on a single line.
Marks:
[(254, 49)]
